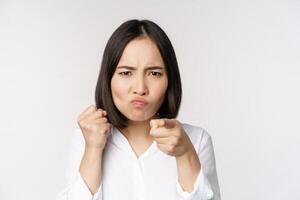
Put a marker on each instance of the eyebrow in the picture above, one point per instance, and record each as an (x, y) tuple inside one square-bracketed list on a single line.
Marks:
[(147, 68)]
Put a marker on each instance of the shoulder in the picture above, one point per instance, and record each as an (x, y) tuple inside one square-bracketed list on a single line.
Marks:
[(195, 132), (198, 135)]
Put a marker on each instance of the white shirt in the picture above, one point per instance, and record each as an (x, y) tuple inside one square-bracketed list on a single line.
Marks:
[(151, 176)]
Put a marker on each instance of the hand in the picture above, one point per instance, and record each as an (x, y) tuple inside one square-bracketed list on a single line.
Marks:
[(95, 128), (170, 136)]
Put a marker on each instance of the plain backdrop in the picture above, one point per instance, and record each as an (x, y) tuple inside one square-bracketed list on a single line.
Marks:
[(239, 62)]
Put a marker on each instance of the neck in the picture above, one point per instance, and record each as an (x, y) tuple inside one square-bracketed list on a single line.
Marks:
[(137, 130)]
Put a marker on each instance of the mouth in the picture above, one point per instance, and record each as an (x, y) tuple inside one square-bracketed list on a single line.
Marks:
[(138, 103)]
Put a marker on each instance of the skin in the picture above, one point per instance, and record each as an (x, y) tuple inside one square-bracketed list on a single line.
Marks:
[(138, 81)]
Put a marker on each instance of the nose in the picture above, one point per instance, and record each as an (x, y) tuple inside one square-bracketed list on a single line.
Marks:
[(140, 86)]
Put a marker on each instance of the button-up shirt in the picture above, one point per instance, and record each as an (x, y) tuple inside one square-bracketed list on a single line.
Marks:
[(151, 176)]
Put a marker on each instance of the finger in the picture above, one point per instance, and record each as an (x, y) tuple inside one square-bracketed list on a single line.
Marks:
[(162, 140), (101, 120), (87, 111), (163, 147), (103, 123), (90, 109), (160, 132), (104, 112), (155, 123), (96, 114), (105, 127), (168, 123)]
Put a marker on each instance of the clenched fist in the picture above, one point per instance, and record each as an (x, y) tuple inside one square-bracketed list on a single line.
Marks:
[(94, 126)]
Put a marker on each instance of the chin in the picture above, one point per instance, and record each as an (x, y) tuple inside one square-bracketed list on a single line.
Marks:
[(138, 117)]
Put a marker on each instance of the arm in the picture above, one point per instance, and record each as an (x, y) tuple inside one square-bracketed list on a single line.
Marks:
[(188, 167), (87, 148), (192, 146), (206, 185), (90, 168), (79, 185)]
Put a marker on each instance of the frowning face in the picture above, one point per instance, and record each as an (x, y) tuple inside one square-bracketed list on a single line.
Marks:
[(140, 80)]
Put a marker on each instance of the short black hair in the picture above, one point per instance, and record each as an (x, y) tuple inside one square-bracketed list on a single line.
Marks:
[(115, 46)]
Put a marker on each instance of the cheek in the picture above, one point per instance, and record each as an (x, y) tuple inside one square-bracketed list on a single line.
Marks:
[(118, 89), (160, 90)]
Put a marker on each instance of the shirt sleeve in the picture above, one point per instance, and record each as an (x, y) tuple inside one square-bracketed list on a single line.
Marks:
[(206, 186), (76, 188)]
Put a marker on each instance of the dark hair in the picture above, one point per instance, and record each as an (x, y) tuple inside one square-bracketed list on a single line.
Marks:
[(115, 46)]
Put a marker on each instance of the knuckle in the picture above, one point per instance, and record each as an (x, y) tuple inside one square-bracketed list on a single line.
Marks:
[(175, 140), (92, 107), (172, 144), (87, 126), (99, 112), (170, 149), (177, 134)]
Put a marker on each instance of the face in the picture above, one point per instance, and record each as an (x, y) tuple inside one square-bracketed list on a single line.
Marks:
[(140, 75)]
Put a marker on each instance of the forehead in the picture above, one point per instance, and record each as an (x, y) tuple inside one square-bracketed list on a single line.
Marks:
[(141, 51)]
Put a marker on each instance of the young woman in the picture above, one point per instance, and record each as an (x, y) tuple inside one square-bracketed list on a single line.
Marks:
[(130, 146)]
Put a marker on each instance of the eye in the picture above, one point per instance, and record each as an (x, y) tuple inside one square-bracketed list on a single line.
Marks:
[(157, 74), (126, 73)]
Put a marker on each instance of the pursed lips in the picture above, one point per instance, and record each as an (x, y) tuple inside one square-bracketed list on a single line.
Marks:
[(139, 102)]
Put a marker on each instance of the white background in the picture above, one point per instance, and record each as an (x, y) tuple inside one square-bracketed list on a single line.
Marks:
[(239, 62)]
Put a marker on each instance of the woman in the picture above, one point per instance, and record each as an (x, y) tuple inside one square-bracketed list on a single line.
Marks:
[(130, 146)]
